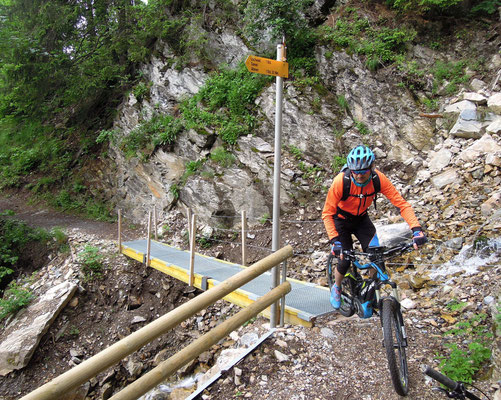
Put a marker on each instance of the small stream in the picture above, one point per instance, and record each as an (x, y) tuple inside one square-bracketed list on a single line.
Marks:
[(183, 388), (470, 259)]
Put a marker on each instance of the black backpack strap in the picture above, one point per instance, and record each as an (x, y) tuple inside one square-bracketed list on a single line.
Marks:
[(346, 184), (377, 186), (376, 181)]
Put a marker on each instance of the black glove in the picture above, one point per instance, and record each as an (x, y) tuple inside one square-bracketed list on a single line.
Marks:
[(418, 237)]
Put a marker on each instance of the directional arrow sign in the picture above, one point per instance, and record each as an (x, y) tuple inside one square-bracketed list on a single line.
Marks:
[(267, 66)]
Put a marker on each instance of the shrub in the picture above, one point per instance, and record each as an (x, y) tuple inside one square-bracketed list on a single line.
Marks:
[(423, 6), (452, 72), (463, 361), (14, 235), (362, 128), (160, 129), (487, 7), (15, 298), (342, 102), (461, 365), (141, 90), (380, 45), (91, 261), (174, 190), (225, 103)]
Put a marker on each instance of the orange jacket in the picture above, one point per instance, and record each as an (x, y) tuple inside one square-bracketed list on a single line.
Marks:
[(358, 206)]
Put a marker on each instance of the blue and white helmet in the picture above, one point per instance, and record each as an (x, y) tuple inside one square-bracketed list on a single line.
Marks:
[(361, 157)]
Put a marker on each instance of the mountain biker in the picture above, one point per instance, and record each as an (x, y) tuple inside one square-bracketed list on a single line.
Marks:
[(345, 214)]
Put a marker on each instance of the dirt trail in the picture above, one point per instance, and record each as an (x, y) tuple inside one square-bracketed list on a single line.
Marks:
[(42, 216)]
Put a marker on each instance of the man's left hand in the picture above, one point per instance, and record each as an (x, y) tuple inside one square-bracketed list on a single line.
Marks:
[(419, 238)]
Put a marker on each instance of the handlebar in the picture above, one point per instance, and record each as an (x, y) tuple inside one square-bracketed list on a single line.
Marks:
[(381, 251), (440, 378), (457, 389)]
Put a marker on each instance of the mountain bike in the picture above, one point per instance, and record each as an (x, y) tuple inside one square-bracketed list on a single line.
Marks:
[(363, 296), (457, 389)]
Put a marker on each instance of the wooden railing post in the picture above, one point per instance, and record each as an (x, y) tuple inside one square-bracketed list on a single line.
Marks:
[(155, 222), (282, 300), (148, 243), (119, 230), (244, 233), (188, 217), (192, 249)]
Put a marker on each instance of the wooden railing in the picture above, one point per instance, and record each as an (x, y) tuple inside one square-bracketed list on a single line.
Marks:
[(88, 369)]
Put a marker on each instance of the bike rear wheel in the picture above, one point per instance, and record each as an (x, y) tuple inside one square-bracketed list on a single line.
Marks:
[(331, 267), (347, 307), (395, 344)]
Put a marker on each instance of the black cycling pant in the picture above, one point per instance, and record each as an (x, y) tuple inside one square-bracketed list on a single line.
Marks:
[(360, 226)]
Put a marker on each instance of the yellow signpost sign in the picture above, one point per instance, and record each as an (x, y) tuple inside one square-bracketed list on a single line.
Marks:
[(267, 66)]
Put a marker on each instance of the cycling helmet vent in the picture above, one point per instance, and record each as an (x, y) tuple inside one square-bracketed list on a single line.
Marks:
[(361, 157)]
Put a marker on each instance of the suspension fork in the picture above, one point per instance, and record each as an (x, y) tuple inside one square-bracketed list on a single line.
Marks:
[(394, 290)]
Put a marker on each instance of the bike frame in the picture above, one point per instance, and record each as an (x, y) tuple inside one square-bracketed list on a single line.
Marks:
[(382, 279)]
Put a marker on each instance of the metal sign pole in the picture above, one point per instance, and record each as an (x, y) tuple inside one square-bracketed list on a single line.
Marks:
[(276, 181)]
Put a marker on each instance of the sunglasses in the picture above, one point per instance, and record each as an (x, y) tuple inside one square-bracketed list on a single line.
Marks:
[(361, 171)]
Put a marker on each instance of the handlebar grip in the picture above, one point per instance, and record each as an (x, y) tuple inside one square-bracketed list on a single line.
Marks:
[(447, 382)]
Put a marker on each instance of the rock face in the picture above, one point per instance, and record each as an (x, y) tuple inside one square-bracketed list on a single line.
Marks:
[(411, 148), (19, 341)]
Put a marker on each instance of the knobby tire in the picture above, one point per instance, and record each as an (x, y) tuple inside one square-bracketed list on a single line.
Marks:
[(347, 308), (394, 344), (331, 266)]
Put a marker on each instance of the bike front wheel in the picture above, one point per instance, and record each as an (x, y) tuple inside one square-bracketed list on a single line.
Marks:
[(395, 344)]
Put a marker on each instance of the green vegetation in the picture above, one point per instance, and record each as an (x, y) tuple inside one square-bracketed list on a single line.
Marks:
[(74, 331), (157, 131), (61, 239), (312, 172), (452, 72), (296, 152), (14, 236), (204, 242), (174, 190), (284, 18), (91, 53), (15, 298), (225, 104), (464, 360), (92, 263), (456, 306), (486, 7), (264, 219), (379, 44), (362, 128), (343, 103), (223, 157), (191, 168), (337, 163)]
